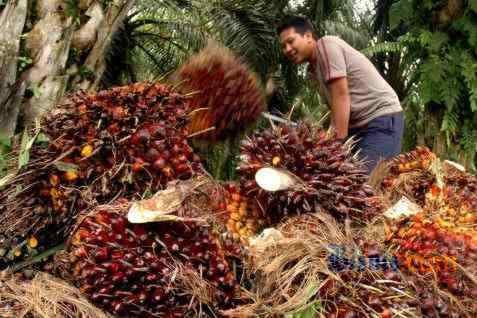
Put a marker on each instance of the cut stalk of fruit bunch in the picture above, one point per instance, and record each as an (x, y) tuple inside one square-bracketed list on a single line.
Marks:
[(330, 178), (225, 96), (125, 141), (163, 203), (272, 179), (142, 270)]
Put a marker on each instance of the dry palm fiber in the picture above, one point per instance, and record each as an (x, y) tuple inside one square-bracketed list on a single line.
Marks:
[(225, 95), (173, 268), (44, 297), (376, 231), (124, 142), (294, 272), (328, 175)]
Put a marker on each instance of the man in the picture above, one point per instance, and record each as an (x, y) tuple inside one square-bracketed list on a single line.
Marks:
[(362, 103)]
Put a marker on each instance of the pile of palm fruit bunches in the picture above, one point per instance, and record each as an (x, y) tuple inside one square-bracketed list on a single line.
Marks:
[(107, 150), (439, 243)]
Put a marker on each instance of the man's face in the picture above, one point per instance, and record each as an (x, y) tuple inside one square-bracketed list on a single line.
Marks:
[(296, 47)]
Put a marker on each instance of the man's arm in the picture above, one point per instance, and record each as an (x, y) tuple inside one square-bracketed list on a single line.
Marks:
[(340, 105)]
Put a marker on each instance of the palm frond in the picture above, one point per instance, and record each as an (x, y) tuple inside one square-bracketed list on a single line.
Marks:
[(355, 37), (383, 47), (248, 28), (156, 37)]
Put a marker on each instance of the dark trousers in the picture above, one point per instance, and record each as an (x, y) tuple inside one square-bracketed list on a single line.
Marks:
[(379, 139)]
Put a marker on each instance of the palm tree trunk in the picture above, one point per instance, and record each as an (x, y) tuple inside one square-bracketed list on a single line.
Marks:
[(12, 21), (49, 43), (95, 60)]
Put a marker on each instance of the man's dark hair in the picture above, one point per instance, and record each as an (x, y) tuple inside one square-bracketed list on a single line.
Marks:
[(300, 24)]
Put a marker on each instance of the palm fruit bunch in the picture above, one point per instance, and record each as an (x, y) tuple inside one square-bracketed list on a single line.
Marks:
[(308, 260), (409, 175), (440, 243), (166, 269), (460, 188), (367, 294), (224, 95), (244, 217), (386, 294), (361, 279), (435, 303), (329, 177), (366, 280), (122, 142), (420, 158)]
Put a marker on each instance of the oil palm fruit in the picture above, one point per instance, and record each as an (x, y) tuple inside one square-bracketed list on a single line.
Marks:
[(137, 270), (224, 94), (329, 177), (244, 217), (461, 189), (126, 141), (409, 175), (378, 294), (420, 158), (440, 243)]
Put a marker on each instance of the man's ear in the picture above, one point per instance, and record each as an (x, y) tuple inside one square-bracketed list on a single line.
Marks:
[(308, 35)]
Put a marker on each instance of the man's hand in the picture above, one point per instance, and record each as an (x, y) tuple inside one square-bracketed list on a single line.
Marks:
[(340, 105)]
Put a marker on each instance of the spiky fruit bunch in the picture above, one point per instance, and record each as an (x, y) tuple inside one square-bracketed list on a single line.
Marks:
[(387, 294), (419, 159), (436, 303), (226, 96), (439, 242), (409, 175), (148, 270), (125, 141), (368, 294), (461, 188), (371, 279), (330, 177), (308, 260), (244, 217)]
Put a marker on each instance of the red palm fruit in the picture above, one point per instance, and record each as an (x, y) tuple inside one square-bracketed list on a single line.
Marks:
[(140, 276), (159, 164), (151, 155), (330, 177), (227, 96), (409, 174), (435, 243), (106, 163), (460, 188)]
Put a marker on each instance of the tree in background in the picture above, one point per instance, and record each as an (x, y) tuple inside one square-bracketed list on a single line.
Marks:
[(428, 54), (48, 48)]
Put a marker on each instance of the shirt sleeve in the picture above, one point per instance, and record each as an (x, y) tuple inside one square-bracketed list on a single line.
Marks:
[(331, 60)]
